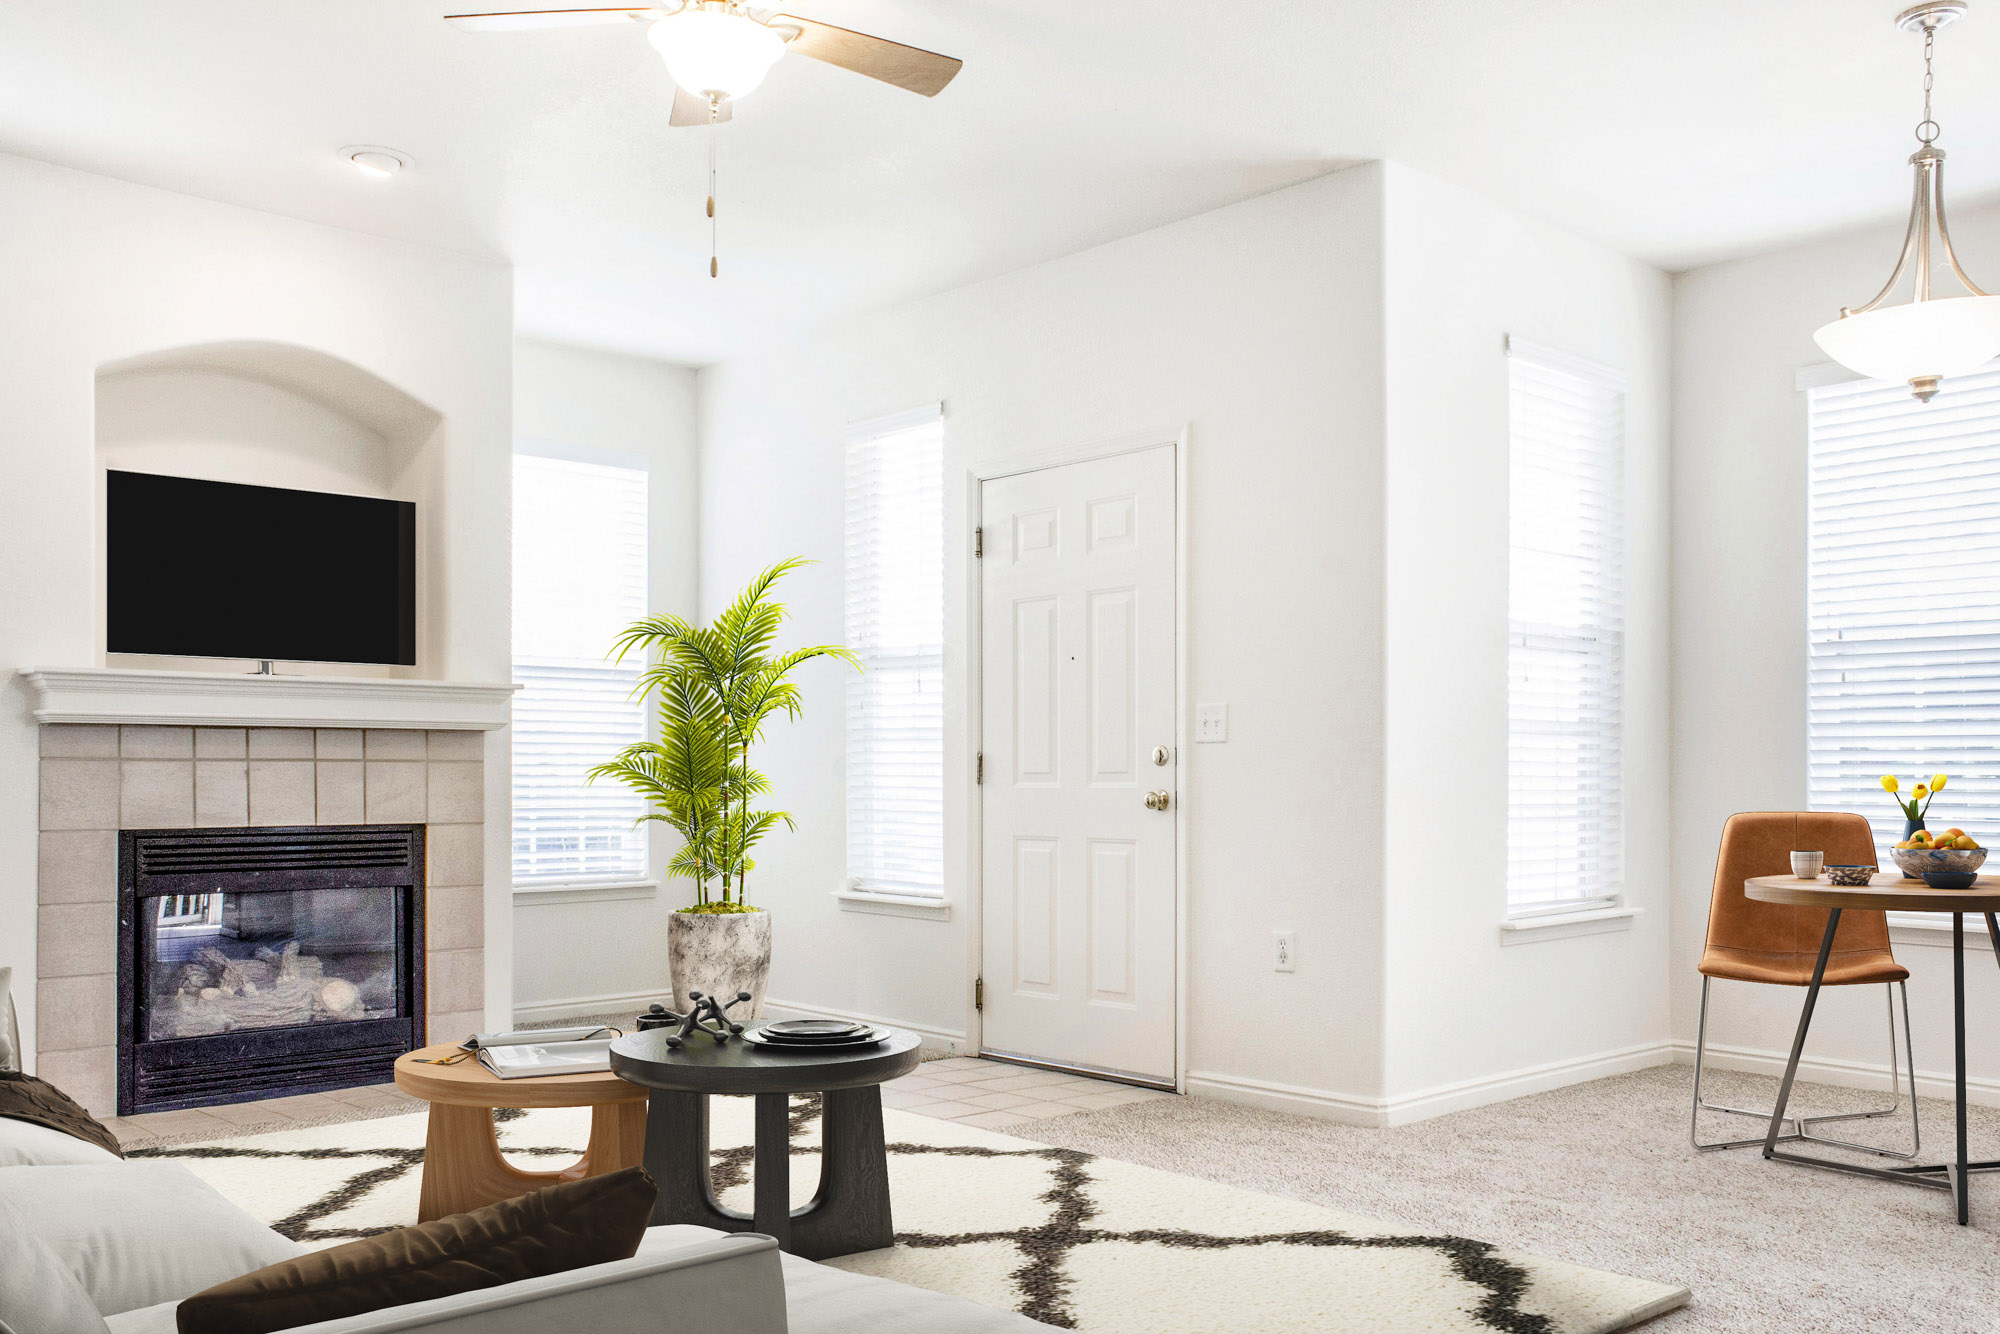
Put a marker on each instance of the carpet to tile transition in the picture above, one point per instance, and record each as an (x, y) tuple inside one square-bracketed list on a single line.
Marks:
[(1059, 1235)]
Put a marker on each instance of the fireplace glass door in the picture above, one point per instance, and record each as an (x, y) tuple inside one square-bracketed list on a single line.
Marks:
[(226, 962)]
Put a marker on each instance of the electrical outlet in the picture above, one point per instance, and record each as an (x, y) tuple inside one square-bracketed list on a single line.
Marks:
[(1285, 955), (1211, 722)]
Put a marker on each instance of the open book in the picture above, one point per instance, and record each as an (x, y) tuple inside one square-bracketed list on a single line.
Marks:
[(543, 1057), (538, 1035)]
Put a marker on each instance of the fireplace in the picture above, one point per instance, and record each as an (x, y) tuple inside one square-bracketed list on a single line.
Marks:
[(259, 962)]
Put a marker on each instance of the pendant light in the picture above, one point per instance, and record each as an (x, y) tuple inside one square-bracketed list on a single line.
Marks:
[(1927, 338)]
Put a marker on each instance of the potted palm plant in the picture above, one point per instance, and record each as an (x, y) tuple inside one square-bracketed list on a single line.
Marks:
[(714, 688)]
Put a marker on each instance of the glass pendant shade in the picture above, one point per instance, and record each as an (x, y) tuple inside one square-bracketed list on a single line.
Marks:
[(1920, 340), (715, 50)]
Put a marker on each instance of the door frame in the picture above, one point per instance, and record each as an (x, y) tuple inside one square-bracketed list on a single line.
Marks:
[(970, 683)]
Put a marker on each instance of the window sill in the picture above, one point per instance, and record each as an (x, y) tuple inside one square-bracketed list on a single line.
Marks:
[(894, 905), (1562, 925), (594, 892)]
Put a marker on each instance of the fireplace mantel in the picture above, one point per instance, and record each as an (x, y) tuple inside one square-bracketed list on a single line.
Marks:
[(215, 699)]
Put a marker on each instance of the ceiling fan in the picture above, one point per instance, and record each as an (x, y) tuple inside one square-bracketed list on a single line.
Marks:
[(718, 50)]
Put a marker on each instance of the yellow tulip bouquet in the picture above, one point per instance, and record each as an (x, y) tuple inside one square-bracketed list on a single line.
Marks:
[(1920, 798), (1915, 806)]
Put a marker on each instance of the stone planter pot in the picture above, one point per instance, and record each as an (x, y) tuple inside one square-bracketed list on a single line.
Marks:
[(720, 954)]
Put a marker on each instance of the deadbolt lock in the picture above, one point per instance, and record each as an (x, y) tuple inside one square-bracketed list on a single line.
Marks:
[(1161, 755), (1157, 801)]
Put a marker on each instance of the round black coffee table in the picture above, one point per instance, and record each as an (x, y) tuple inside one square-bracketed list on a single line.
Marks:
[(851, 1210)]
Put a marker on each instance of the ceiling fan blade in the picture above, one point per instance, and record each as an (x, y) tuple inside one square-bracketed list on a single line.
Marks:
[(692, 108), (546, 18), (910, 67)]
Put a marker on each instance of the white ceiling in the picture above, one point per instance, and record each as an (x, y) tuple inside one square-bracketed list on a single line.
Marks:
[(1680, 132)]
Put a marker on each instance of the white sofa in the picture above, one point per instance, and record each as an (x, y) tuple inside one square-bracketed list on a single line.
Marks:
[(132, 1239)]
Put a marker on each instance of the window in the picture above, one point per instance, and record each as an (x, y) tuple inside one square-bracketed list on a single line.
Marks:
[(1903, 599), (579, 578), (895, 622), (1565, 632)]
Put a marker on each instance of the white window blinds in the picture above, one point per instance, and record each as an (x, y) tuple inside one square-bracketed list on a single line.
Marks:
[(895, 622), (579, 578), (1903, 599), (1565, 623)]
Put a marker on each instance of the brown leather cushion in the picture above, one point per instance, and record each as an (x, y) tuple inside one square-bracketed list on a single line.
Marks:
[(557, 1228), (1753, 941), (26, 1098)]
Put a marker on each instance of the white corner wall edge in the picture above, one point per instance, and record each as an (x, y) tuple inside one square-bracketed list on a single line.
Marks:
[(1421, 1106), (109, 695), (1844, 1074)]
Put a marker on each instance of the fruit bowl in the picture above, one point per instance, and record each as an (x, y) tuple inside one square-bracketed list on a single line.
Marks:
[(1918, 862)]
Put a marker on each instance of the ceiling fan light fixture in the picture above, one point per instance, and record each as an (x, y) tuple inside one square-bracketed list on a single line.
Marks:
[(713, 49)]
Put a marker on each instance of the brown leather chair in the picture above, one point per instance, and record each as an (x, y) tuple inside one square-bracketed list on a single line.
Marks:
[(1778, 944)]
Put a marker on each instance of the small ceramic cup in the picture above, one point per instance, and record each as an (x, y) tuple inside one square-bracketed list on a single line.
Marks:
[(1806, 865)]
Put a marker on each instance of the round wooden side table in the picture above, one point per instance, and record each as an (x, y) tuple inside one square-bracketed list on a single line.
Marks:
[(1888, 891), (849, 1213), (463, 1166)]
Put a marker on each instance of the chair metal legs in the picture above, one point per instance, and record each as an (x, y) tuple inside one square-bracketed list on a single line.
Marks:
[(1801, 1126)]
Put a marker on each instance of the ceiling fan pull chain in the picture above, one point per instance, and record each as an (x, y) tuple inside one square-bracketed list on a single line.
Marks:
[(714, 123)]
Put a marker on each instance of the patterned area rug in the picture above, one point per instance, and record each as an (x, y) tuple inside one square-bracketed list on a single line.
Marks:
[(1061, 1236)]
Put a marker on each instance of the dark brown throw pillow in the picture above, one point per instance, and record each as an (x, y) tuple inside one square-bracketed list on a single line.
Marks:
[(26, 1098), (557, 1228)]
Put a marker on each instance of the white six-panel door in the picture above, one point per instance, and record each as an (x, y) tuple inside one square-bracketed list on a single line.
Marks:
[(1077, 684)]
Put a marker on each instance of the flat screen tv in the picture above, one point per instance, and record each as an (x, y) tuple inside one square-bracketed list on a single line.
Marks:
[(221, 570)]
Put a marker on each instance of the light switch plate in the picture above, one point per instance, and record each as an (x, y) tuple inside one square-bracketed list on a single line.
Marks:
[(1211, 722)]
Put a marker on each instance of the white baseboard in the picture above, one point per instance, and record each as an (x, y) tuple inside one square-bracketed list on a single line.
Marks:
[(1350, 1109), (1828, 1070), (936, 1037), (628, 1002), (1296, 1099), (1457, 1097)]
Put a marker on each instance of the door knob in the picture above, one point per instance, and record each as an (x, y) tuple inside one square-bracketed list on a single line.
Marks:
[(1157, 801)]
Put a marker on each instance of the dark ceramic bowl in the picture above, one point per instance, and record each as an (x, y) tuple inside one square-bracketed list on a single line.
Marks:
[(1951, 879)]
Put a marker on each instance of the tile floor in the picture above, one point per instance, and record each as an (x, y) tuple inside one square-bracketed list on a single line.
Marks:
[(256, 1118), (996, 1096), (988, 1094)]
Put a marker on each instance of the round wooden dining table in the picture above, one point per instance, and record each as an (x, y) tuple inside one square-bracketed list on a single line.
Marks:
[(1890, 892)]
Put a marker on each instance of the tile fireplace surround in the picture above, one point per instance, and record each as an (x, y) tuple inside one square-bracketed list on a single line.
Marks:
[(97, 779)]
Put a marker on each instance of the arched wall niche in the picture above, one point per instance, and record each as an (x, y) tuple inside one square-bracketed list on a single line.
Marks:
[(271, 414)]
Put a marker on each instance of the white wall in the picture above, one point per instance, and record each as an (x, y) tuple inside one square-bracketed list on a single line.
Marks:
[(94, 273), (1256, 326), (595, 950), (1742, 331), (1463, 273)]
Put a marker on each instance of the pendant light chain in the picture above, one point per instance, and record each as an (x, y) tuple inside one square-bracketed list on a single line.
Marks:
[(1930, 40)]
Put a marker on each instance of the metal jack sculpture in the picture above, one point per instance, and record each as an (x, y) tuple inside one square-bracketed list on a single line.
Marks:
[(708, 1015)]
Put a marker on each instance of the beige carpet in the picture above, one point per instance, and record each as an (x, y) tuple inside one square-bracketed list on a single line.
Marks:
[(1601, 1174)]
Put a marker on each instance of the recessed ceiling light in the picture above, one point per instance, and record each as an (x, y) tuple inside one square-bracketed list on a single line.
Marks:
[(375, 160)]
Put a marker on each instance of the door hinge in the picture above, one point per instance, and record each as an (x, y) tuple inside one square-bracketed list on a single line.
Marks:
[(979, 769), (979, 544), (978, 993)]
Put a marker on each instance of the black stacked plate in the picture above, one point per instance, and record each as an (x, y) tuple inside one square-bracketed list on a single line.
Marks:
[(814, 1034)]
